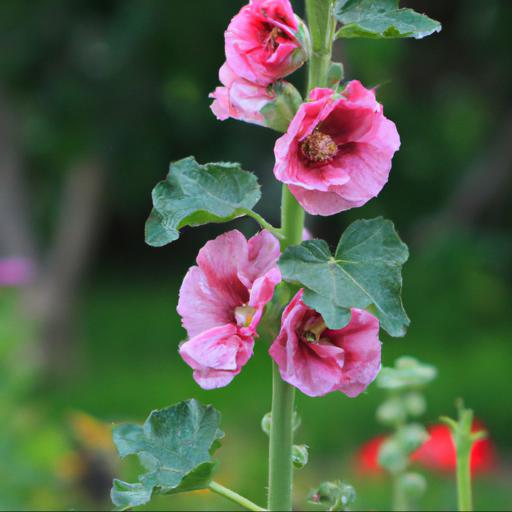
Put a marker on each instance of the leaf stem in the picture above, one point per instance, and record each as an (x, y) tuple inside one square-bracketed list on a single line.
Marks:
[(322, 27), (234, 497), (278, 233)]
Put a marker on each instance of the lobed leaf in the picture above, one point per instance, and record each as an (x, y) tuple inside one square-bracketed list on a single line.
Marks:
[(365, 271), (194, 194), (382, 19), (175, 446)]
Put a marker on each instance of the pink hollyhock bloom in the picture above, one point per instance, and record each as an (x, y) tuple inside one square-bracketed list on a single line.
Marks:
[(221, 303), (239, 98), (318, 360), (337, 152), (15, 271), (265, 41)]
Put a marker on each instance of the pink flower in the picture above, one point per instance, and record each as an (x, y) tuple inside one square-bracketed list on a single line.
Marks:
[(337, 152), (239, 98), (318, 360), (15, 271), (221, 303), (265, 41)]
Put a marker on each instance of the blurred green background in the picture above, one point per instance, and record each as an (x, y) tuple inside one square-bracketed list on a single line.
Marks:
[(96, 98)]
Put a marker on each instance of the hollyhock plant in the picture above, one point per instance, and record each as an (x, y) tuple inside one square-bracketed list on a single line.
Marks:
[(318, 360), (221, 303), (266, 41), (337, 152)]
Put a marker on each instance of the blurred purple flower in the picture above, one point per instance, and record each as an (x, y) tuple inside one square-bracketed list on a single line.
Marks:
[(15, 271)]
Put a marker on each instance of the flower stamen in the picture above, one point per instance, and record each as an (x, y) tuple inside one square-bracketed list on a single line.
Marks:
[(318, 148)]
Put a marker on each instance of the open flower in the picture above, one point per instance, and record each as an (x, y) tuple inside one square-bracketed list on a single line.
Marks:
[(221, 303), (265, 41), (318, 360), (337, 152)]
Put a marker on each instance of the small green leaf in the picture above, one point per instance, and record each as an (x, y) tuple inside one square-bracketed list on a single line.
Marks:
[(365, 271), (125, 495), (175, 446), (382, 19), (193, 195)]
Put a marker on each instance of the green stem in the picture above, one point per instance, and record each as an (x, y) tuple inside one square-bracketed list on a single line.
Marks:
[(281, 430), (464, 480), (234, 497), (263, 223), (399, 499), (322, 26)]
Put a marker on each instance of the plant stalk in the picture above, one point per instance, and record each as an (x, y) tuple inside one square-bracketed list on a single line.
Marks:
[(234, 497), (322, 27), (464, 480)]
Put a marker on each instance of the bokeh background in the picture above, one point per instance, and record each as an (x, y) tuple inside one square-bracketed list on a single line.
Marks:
[(96, 98)]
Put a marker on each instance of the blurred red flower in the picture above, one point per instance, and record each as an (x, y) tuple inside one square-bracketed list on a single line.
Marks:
[(437, 454)]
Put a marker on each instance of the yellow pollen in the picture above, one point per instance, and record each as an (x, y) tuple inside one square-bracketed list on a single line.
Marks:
[(318, 147)]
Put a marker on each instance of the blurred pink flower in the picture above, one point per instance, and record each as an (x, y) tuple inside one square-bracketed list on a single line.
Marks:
[(221, 303), (15, 271), (239, 98), (337, 152), (318, 360), (265, 41)]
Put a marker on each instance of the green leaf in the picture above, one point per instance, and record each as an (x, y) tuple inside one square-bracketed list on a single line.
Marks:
[(125, 495), (194, 194), (382, 19), (175, 446), (365, 271)]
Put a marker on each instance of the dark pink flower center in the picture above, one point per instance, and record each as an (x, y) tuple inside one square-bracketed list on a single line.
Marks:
[(318, 148), (273, 37)]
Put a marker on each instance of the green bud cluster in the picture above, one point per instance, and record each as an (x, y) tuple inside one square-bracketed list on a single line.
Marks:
[(404, 404)]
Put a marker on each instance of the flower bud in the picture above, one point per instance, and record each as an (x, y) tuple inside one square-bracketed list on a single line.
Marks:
[(413, 485), (300, 455), (333, 495), (391, 412), (392, 456), (415, 404), (411, 437), (279, 112)]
